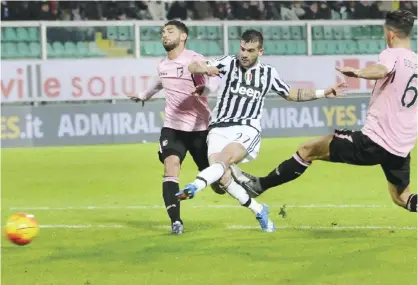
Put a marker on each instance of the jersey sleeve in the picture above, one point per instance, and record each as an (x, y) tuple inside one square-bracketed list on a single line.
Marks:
[(388, 58), (198, 57), (222, 63), (278, 85)]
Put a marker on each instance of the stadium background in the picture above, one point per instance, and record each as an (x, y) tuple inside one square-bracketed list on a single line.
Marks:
[(95, 58), (66, 68)]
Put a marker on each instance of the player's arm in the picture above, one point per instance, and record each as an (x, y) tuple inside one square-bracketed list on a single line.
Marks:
[(302, 94), (201, 67), (153, 89), (371, 72), (384, 67), (213, 67), (307, 94)]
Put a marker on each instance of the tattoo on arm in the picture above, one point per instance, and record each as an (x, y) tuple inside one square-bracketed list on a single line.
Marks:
[(303, 94)]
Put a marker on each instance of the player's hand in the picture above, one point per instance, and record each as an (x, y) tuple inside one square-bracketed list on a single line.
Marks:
[(337, 90), (136, 98), (212, 71), (348, 71), (198, 91)]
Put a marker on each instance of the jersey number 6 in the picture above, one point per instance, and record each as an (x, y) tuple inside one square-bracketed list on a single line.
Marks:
[(411, 88)]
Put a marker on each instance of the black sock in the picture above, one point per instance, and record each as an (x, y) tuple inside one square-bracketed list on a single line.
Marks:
[(172, 204), (287, 171), (411, 205)]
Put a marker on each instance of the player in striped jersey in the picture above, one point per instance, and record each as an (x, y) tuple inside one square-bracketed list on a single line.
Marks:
[(235, 128), (390, 130)]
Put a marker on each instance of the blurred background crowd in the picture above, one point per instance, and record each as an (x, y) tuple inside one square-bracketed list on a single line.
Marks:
[(199, 10)]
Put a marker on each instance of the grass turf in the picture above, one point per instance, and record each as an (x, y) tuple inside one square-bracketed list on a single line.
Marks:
[(121, 245)]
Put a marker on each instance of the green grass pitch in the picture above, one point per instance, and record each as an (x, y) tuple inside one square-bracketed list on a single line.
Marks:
[(117, 234)]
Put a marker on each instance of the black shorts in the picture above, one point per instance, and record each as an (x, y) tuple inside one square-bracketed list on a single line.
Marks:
[(178, 143), (353, 147)]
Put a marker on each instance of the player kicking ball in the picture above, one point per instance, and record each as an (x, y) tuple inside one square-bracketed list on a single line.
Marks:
[(389, 133), (186, 115), (235, 129)]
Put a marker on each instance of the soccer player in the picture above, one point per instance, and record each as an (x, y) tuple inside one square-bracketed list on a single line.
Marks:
[(234, 132), (186, 115), (389, 133)]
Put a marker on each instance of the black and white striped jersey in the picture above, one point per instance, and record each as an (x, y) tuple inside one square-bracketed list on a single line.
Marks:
[(242, 92)]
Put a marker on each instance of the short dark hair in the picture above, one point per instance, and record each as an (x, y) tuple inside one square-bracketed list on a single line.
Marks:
[(179, 25), (253, 36), (401, 22)]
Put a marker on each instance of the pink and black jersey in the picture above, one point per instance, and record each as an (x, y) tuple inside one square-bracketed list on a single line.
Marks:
[(183, 111), (392, 116)]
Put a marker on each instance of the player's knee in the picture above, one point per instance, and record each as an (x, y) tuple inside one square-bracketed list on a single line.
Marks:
[(225, 179), (171, 166), (225, 158), (306, 152)]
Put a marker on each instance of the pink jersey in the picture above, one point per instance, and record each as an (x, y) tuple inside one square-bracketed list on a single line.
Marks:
[(392, 116), (183, 111)]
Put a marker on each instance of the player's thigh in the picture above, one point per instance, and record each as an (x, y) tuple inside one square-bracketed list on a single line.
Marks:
[(172, 144), (398, 172), (198, 148), (316, 149), (237, 143), (353, 147)]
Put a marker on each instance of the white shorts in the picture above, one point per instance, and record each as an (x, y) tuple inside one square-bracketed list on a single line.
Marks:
[(248, 137)]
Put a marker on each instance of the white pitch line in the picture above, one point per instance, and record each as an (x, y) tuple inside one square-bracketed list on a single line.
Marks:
[(150, 207), (244, 227), (81, 226), (406, 228)]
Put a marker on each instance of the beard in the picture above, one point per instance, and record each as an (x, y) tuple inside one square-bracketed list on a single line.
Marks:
[(248, 63), (170, 46)]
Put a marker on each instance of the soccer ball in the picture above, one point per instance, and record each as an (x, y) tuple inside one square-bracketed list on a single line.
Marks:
[(21, 228)]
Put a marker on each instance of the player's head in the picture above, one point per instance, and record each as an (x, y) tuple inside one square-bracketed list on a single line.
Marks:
[(173, 34), (398, 25), (251, 47)]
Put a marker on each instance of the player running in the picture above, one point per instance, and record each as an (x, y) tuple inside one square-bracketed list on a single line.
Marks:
[(389, 133), (186, 116), (234, 132)]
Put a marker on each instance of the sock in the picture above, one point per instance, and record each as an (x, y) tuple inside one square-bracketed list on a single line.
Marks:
[(172, 205), (239, 193), (209, 175), (287, 171), (411, 205)]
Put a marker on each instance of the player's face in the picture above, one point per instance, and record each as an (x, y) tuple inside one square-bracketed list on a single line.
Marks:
[(171, 37), (249, 53)]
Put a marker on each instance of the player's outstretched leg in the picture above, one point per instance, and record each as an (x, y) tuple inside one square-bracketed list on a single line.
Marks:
[(398, 171), (219, 163), (238, 192), (218, 171), (288, 170), (170, 188)]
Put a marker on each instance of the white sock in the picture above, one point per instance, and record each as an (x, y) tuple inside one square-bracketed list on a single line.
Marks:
[(209, 175), (255, 207), (239, 193)]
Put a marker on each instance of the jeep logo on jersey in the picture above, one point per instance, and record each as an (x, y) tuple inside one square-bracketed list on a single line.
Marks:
[(179, 71), (246, 91)]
